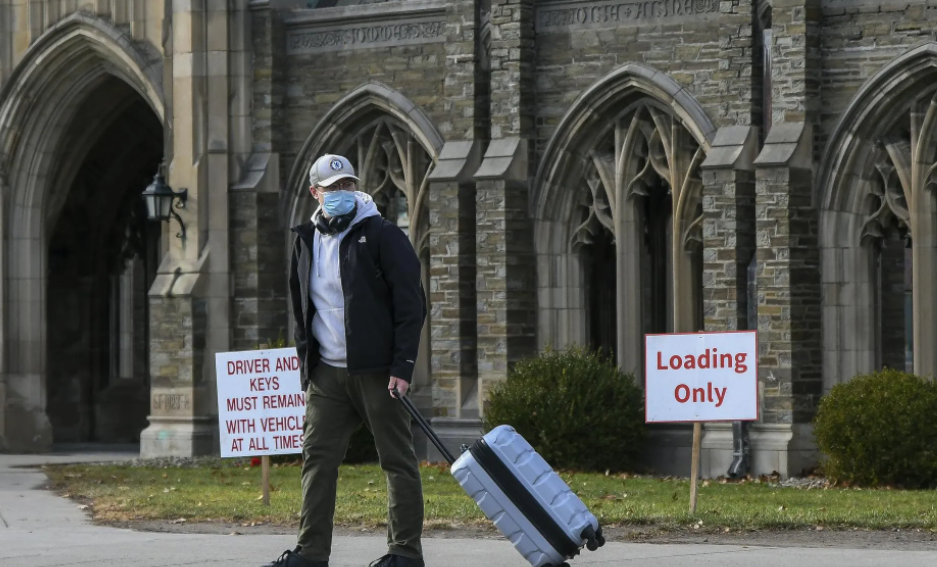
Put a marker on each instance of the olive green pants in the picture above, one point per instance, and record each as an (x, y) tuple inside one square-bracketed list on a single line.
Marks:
[(336, 404)]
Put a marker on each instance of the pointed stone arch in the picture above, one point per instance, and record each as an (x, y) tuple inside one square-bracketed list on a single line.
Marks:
[(394, 147), (875, 185), (345, 120), (38, 104), (634, 128)]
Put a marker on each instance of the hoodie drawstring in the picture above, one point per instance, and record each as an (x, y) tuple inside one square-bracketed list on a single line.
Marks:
[(317, 244)]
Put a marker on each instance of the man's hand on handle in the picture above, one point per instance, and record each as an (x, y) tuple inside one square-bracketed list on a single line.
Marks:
[(401, 385)]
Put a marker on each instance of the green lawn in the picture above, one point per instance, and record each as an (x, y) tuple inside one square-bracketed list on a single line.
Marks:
[(232, 494)]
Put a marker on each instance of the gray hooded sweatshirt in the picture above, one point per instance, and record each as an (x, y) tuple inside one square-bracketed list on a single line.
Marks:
[(325, 286)]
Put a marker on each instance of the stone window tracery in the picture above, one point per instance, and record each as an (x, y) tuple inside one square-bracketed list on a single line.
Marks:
[(641, 187), (903, 164), (394, 169)]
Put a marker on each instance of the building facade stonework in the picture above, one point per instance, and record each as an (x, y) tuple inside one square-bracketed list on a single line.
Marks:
[(569, 172)]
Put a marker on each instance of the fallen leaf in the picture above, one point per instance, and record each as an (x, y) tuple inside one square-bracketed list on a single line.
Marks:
[(179, 521), (82, 506)]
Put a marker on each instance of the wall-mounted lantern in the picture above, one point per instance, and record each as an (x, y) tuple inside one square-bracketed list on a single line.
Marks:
[(159, 198)]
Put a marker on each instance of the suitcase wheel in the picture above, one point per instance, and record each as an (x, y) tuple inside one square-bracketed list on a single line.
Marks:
[(594, 539)]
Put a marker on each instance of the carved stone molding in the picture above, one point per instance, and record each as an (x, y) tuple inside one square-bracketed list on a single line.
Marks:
[(905, 164), (366, 26), (566, 15)]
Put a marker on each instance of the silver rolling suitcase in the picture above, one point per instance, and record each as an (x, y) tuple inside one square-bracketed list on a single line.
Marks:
[(518, 491)]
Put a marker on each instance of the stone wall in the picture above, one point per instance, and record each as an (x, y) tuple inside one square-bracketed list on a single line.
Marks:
[(506, 269), (452, 205), (318, 73), (260, 310), (270, 127), (859, 37), (686, 44)]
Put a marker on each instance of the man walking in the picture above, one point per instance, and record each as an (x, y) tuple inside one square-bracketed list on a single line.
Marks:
[(359, 309)]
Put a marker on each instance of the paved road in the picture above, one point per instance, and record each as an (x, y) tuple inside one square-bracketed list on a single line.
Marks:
[(38, 529)]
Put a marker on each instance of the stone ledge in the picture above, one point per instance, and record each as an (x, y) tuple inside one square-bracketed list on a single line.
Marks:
[(787, 145), (261, 174), (179, 437), (457, 162), (734, 147), (506, 159), (786, 449)]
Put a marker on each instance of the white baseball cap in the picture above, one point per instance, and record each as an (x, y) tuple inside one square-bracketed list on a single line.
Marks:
[(330, 168)]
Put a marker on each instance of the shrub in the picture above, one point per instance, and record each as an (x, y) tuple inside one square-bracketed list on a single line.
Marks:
[(576, 408), (879, 429)]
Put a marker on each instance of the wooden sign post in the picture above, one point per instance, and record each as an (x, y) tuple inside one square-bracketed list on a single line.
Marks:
[(700, 377), (694, 464), (265, 478)]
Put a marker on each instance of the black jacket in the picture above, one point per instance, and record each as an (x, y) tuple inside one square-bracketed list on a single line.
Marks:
[(385, 306)]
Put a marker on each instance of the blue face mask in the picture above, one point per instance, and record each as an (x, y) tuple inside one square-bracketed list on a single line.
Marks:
[(338, 203)]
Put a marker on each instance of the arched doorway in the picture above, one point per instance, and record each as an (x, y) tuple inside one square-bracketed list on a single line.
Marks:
[(103, 255), (80, 137)]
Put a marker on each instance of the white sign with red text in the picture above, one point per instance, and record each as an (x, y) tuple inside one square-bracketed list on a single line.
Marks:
[(701, 377), (261, 405)]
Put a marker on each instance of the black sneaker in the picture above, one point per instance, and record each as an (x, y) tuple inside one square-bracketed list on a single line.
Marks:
[(390, 560), (292, 558)]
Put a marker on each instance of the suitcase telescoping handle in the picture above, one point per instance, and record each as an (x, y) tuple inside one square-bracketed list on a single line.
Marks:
[(424, 426)]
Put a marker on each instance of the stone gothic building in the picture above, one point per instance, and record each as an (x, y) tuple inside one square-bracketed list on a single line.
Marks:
[(569, 171)]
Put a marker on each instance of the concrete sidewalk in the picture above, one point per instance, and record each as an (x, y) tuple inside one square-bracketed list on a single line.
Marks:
[(40, 529)]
